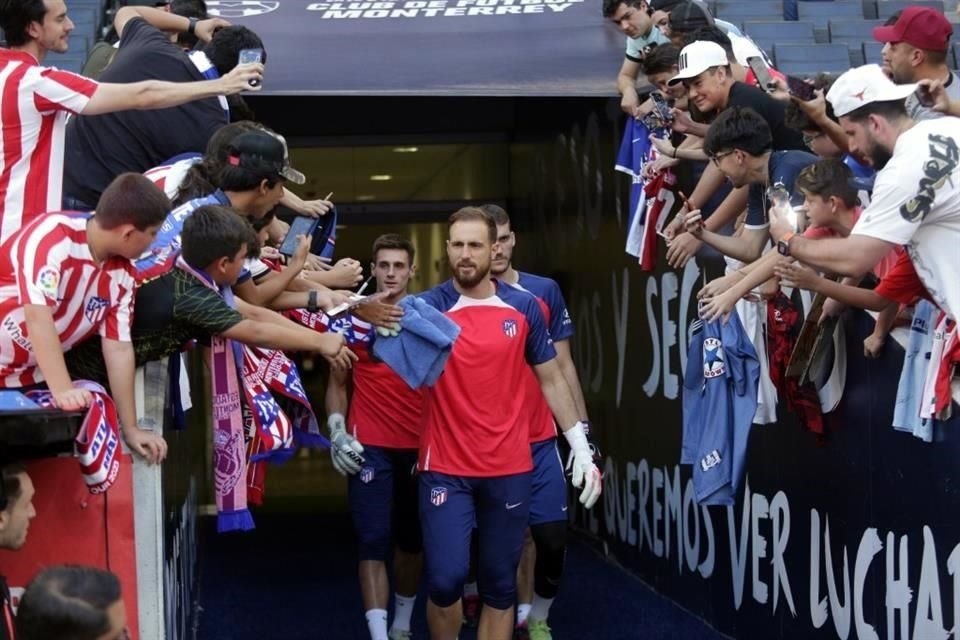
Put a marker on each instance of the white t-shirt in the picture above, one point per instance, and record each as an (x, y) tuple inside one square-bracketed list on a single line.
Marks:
[(916, 202), (637, 47)]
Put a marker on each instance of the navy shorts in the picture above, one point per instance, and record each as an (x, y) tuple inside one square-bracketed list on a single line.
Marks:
[(450, 507), (383, 503), (548, 497)]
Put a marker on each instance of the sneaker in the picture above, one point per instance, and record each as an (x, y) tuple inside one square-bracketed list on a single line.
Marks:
[(471, 611), (538, 630), (520, 632), (400, 634)]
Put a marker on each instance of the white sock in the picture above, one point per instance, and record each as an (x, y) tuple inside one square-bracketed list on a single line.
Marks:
[(541, 608), (402, 610), (523, 611), (470, 589), (377, 623)]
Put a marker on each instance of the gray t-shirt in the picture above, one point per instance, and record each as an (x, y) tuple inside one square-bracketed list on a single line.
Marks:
[(919, 112)]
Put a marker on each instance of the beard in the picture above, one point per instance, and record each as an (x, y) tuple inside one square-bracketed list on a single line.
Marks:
[(480, 273), (878, 156)]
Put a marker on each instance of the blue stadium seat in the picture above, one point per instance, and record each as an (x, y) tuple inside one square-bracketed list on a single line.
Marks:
[(871, 53), (735, 11), (767, 33), (954, 58), (804, 60), (853, 33), (820, 14), (886, 8)]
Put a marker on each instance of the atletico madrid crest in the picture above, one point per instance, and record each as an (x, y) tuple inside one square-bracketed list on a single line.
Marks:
[(366, 475), (510, 328), (438, 495)]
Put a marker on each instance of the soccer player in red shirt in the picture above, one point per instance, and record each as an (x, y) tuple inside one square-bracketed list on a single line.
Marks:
[(67, 276), (475, 462), (38, 100), (384, 418)]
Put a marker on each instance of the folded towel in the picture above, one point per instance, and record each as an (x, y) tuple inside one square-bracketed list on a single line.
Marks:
[(420, 351)]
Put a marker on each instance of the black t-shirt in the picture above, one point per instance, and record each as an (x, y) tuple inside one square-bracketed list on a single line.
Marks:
[(745, 95), (168, 312), (782, 170), (99, 148)]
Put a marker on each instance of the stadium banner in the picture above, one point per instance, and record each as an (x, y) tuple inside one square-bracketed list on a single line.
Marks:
[(432, 47), (854, 535)]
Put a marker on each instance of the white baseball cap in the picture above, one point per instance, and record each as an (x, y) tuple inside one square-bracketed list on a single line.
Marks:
[(697, 57), (863, 85)]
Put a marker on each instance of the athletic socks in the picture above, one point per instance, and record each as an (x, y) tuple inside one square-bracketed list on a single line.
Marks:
[(377, 624), (470, 589), (540, 609), (523, 611), (403, 609)]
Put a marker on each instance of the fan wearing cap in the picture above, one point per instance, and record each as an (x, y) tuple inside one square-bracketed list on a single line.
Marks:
[(632, 18), (915, 48), (916, 196), (705, 71)]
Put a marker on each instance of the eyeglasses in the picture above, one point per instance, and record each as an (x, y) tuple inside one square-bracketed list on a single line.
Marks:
[(808, 139), (717, 157)]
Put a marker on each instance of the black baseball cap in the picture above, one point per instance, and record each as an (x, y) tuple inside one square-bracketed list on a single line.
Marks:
[(262, 148), (689, 16)]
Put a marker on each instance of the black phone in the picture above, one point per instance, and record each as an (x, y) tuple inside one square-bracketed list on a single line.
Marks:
[(762, 73), (247, 56), (301, 226), (924, 97), (661, 108), (800, 88)]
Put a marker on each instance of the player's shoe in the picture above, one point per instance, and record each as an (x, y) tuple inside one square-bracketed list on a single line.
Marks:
[(471, 611), (520, 632), (400, 634), (538, 630)]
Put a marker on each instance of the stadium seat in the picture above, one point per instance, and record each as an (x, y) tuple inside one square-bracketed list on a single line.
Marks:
[(733, 11), (853, 33), (871, 53), (886, 8), (804, 60), (954, 58), (779, 31), (820, 13)]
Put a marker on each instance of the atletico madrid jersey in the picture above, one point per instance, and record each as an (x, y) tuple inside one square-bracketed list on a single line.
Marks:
[(554, 308), (48, 263), (475, 422)]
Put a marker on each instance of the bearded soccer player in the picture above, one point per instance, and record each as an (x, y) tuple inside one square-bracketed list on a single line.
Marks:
[(538, 585), (383, 422), (475, 462)]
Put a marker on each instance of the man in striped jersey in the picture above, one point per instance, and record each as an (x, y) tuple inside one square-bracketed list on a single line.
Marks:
[(36, 101), (65, 277)]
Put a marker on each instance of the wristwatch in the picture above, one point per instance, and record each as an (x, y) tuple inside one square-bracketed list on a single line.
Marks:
[(192, 27), (312, 306), (783, 246)]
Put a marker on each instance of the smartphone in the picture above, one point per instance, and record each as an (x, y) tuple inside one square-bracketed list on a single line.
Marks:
[(800, 88), (924, 97), (301, 226), (762, 73), (248, 56), (661, 108)]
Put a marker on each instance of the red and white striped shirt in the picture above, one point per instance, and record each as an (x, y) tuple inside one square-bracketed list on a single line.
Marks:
[(49, 263), (34, 107), (169, 177)]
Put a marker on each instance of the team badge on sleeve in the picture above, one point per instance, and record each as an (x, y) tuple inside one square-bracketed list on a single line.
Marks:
[(712, 358), (510, 328), (438, 495), (48, 281)]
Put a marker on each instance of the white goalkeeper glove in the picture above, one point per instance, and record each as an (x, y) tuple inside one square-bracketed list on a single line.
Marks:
[(581, 466), (345, 450)]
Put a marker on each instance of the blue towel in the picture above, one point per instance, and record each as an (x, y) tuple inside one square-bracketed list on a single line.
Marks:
[(420, 351)]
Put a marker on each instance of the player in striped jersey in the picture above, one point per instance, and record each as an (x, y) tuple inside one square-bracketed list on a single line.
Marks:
[(537, 586), (38, 100), (67, 276)]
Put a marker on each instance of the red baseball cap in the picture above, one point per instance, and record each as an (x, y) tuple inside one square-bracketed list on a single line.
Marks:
[(921, 27)]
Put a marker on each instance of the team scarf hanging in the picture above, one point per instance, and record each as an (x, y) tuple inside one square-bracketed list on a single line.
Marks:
[(98, 442)]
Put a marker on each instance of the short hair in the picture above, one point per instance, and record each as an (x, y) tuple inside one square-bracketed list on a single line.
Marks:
[(199, 180), (496, 212), (16, 16), (224, 48), (474, 214), (12, 487), (738, 128), (393, 241), (715, 35), (133, 199), (189, 9), (213, 232), (828, 177), (892, 110), (67, 603), (661, 59), (795, 118), (610, 6)]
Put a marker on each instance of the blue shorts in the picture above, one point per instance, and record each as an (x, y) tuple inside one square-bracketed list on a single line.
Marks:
[(548, 497), (383, 503), (450, 507)]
